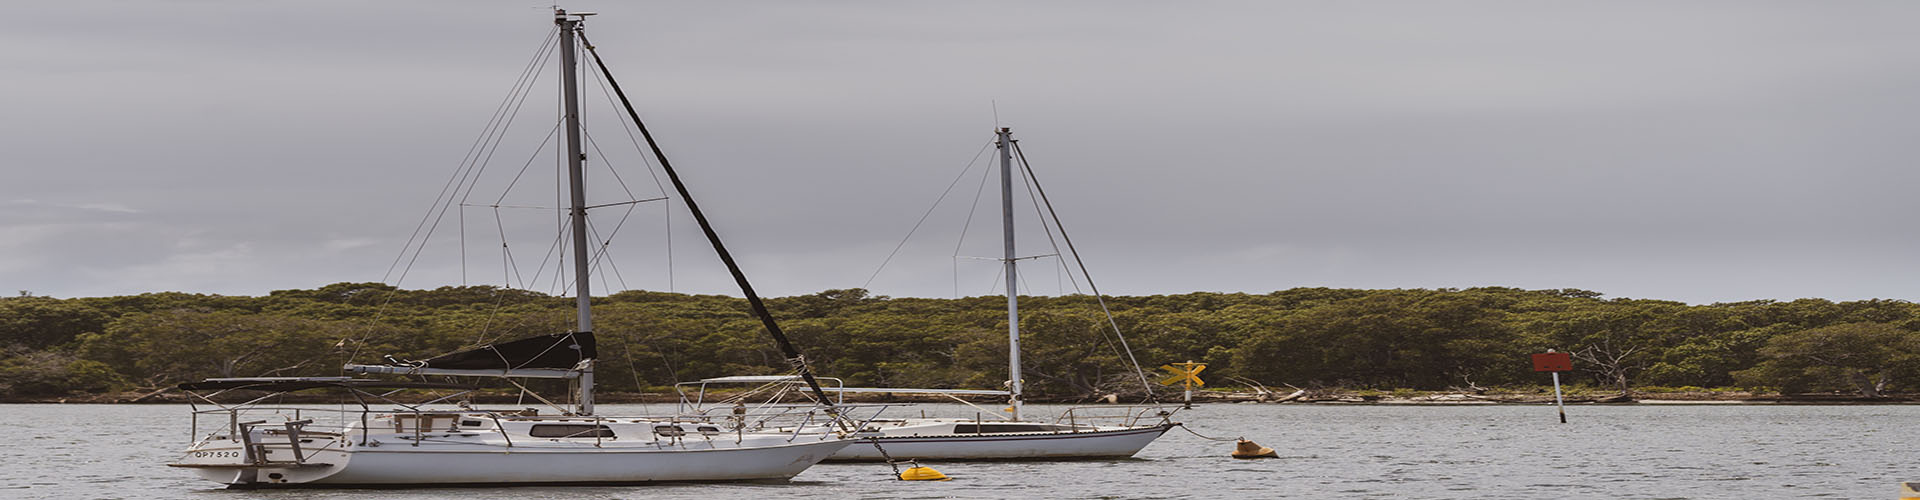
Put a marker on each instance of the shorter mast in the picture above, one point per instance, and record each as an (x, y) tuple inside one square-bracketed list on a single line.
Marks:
[(1005, 142)]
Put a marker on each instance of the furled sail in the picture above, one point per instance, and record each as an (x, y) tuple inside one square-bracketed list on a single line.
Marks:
[(558, 351)]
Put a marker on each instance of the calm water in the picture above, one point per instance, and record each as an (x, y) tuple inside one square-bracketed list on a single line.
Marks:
[(93, 451)]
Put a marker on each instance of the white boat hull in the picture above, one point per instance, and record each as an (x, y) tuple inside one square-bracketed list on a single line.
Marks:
[(1120, 442), (484, 457), (404, 468)]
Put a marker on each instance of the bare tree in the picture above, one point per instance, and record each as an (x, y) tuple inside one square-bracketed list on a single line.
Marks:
[(1608, 359)]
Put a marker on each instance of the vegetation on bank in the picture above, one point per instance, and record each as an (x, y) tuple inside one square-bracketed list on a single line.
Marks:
[(1467, 340)]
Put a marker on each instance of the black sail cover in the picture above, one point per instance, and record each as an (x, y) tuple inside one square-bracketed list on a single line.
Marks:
[(560, 351)]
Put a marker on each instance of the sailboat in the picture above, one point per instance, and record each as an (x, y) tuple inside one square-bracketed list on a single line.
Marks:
[(1084, 432), (252, 445), (1107, 431)]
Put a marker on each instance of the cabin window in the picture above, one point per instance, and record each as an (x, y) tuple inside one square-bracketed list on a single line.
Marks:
[(570, 431), (669, 430), (709, 430), (472, 423)]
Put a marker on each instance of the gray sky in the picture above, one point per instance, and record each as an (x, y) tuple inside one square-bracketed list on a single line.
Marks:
[(1697, 151)]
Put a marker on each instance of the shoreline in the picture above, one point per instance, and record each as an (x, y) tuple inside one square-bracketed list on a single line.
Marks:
[(1327, 398)]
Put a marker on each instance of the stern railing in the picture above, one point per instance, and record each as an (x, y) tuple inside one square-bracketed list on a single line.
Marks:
[(1122, 415)]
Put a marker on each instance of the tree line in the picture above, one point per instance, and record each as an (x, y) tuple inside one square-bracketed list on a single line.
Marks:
[(1426, 339)]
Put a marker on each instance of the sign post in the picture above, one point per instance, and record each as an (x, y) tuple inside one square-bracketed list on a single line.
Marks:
[(1186, 374), (1555, 362)]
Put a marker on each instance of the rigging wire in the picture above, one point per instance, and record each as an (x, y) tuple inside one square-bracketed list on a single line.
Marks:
[(463, 244), (560, 219), (561, 222), (968, 225), (1043, 221), (605, 247), (470, 179), (627, 127), (601, 257), (497, 202), (480, 337), (666, 208), (604, 253), (506, 252), (557, 246), (600, 254), (793, 356), (552, 133), (509, 269), (923, 217), (1101, 299), (496, 122), (1019, 280), (616, 172), (626, 344), (534, 71), (666, 212), (608, 240), (488, 133)]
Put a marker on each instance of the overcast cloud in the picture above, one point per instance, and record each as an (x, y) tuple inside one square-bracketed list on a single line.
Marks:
[(1696, 151)]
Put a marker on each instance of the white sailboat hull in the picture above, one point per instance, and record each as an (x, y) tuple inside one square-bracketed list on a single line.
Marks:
[(486, 457), (402, 468), (1105, 442)]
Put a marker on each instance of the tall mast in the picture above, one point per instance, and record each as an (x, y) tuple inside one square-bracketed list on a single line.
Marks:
[(583, 294), (1013, 291)]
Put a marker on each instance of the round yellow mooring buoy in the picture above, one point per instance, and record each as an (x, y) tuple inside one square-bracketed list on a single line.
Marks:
[(922, 473), (1250, 449)]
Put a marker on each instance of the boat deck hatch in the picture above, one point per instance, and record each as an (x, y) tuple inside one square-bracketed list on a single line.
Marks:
[(570, 431)]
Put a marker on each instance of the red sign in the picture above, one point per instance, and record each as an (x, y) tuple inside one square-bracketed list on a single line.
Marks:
[(1553, 362)]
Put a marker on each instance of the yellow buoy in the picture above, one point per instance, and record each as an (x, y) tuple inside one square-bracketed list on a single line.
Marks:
[(922, 473), (1250, 449)]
